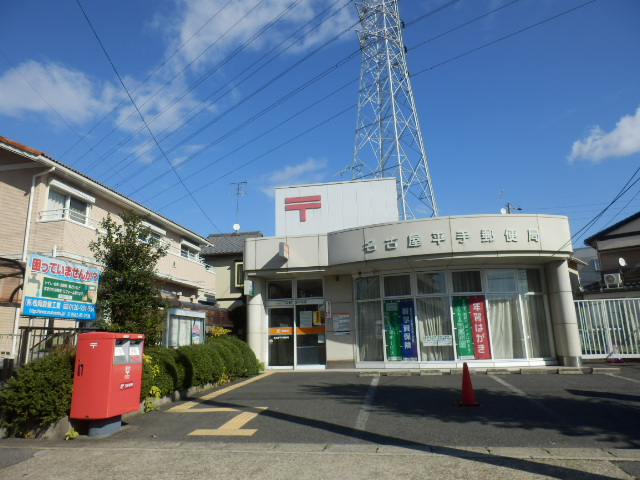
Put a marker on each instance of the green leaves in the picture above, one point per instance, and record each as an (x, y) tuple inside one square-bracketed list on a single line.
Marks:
[(128, 294), (39, 395)]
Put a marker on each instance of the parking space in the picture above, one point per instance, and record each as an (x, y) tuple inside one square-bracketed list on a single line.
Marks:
[(561, 411)]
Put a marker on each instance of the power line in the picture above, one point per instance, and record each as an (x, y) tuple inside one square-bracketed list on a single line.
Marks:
[(419, 73), (140, 114), (627, 186), (246, 144), (245, 99), (138, 87), (182, 94), (506, 37), (206, 75), (349, 57)]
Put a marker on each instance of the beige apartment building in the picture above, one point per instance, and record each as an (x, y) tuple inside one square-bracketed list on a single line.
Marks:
[(50, 209)]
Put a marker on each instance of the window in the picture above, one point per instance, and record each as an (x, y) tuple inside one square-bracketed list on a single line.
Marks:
[(367, 288), (190, 251), (309, 288), (155, 234), (501, 281), (67, 203), (466, 282), (483, 314), (397, 285), (369, 324), (280, 289), (431, 283), (239, 274), (434, 318)]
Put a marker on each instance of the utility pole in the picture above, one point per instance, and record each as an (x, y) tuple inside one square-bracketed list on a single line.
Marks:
[(238, 192), (388, 137), (511, 207)]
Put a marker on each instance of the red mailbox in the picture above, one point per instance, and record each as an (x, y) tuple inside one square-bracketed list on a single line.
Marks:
[(108, 375)]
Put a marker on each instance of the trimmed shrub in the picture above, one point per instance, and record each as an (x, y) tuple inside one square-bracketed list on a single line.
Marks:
[(39, 395), (246, 356), (218, 374), (197, 363), (226, 357), (163, 371)]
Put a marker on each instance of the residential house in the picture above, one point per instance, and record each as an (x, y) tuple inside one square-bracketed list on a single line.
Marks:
[(51, 209), (618, 260), (588, 270), (225, 255), (608, 304)]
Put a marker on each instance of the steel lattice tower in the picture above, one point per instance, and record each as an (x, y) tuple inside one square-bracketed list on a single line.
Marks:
[(388, 137)]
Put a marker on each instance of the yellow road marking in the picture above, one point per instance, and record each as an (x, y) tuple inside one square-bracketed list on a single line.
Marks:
[(225, 433), (222, 391), (188, 406), (190, 409), (234, 426)]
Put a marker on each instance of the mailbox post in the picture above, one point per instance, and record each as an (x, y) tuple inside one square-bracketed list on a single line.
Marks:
[(107, 379)]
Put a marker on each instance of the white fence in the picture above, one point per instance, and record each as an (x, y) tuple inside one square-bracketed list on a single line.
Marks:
[(609, 327)]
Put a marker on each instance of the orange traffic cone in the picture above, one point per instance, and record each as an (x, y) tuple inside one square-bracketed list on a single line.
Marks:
[(468, 395)]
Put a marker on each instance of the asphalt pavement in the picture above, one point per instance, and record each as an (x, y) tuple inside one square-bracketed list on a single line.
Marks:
[(312, 425)]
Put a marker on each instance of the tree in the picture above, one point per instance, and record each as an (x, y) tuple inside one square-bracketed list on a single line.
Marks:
[(128, 297)]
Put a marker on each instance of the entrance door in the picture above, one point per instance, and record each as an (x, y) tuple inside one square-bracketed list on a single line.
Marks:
[(310, 335), (281, 337)]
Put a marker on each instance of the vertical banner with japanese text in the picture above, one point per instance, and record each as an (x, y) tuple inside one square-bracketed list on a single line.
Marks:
[(56, 288), (481, 346), (400, 330), (472, 334), (392, 330), (464, 334), (409, 343)]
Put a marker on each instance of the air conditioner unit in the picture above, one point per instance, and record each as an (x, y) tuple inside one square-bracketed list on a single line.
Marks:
[(613, 280)]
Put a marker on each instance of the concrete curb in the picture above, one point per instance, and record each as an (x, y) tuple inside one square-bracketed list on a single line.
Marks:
[(495, 371)]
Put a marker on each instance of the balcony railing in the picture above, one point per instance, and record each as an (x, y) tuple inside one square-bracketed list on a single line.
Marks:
[(67, 214), (77, 217)]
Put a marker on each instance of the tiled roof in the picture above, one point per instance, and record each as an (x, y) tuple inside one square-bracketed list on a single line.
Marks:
[(603, 233), (42, 155), (228, 243)]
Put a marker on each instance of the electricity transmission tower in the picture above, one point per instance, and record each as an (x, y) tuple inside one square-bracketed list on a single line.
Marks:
[(388, 138)]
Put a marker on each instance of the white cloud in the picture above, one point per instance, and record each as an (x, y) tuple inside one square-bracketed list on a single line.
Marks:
[(209, 29), (622, 141), (72, 94), (310, 171)]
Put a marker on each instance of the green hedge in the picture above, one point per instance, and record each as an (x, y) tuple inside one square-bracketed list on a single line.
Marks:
[(40, 393), (219, 360), (163, 370)]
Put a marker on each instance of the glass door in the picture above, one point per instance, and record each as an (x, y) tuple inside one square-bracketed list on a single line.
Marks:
[(281, 339), (310, 335)]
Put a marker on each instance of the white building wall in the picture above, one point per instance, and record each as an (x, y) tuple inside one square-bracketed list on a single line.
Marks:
[(322, 208)]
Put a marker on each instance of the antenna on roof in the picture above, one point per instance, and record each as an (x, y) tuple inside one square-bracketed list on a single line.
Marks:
[(239, 192)]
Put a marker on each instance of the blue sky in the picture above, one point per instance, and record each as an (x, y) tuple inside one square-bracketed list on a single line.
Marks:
[(528, 105)]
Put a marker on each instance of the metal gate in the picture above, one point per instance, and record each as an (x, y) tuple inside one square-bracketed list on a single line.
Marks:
[(609, 327)]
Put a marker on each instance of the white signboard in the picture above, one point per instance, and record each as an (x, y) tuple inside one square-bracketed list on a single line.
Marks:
[(437, 340)]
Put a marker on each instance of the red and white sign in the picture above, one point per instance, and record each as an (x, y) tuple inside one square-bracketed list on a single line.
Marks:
[(481, 346), (303, 204)]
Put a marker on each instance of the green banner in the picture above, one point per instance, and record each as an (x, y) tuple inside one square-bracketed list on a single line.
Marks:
[(63, 290), (464, 333), (393, 330)]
